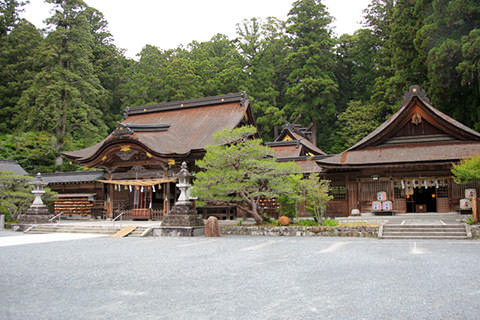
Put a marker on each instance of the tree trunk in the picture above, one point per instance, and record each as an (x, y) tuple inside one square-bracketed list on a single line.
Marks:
[(314, 133), (255, 215)]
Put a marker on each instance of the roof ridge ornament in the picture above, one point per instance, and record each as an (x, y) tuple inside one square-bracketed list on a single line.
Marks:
[(415, 91)]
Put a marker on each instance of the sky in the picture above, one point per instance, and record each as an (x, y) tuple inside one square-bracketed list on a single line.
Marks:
[(170, 23)]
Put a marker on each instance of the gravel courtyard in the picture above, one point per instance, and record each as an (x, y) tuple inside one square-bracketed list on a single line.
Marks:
[(240, 278)]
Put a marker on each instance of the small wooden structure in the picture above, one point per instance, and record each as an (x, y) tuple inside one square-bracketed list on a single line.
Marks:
[(294, 144)]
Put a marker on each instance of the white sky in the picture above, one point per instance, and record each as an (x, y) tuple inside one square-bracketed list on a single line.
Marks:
[(170, 23)]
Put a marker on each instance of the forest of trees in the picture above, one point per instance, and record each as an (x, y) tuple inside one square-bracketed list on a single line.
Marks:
[(65, 87)]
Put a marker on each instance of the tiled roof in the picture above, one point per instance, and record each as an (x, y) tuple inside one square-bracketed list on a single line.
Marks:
[(8, 165), (72, 177), (188, 125), (404, 154)]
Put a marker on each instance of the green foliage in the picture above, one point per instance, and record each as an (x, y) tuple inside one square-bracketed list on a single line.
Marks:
[(316, 195), (71, 82), (470, 221), (307, 223), (288, 206), (329, 222), (65, 96), (34, 151), (240, 169), (357, 121), (15, 196), (467, 170), (312, 86), (263, 46), (18, 69)]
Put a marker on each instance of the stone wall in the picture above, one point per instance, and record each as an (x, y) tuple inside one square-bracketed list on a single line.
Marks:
[(475, 231), (299, 231)]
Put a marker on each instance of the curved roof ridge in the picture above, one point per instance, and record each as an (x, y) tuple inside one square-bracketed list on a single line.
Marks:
[(414, 91)]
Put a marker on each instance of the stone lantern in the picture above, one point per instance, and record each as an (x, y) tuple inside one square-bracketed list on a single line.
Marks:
[(38, 191), (182, 219), (184, 184), (38, 212)]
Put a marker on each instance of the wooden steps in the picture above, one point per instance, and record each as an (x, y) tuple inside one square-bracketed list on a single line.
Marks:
[(125, 231)]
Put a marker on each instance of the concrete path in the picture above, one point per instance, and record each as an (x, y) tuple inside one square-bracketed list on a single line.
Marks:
[(15, 239)]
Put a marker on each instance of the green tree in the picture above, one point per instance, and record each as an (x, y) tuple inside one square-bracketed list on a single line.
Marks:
[(400, 63), (357, 121), (316, 196), (18, 67), (239, 169), (15, 195), (218, 65), (264, 47), (109, 66), (450, 38), (9, 15), (34, 151), (312, 86), (467, 170), (65, 95), (355, 66)]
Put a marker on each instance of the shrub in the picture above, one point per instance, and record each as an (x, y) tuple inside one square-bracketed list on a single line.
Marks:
[(470, 221), (307, 223), (330, 222)]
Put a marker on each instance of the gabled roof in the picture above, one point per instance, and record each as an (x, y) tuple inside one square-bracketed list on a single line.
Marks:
[(416, 97), (388, 144), (8, 165), (72, 177), (291, 142), (174, 128)]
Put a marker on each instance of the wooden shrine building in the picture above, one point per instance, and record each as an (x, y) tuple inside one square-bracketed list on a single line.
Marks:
[(409, 157), (294, 144), (142, 156)]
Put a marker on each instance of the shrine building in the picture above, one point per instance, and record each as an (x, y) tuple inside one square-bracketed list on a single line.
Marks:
[(142, 156), (409, 157)]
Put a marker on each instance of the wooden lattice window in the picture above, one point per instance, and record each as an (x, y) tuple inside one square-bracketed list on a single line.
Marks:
[(369, 190), (339, 192), (398, 192), (442, 192)]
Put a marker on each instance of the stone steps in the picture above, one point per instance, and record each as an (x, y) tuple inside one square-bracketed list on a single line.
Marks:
[(447, 232), (107, 230)]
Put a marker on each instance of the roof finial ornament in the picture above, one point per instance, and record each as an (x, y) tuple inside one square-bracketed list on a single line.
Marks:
[(415, 91), (125, 112)]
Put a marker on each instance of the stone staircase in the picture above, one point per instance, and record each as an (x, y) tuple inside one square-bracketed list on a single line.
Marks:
[(107, 230), (427, 231)]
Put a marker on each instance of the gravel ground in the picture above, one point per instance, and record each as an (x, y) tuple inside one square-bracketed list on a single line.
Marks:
[(240, 278)]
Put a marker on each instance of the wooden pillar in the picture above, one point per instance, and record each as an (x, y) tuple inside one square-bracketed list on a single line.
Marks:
[(109, 202), (167, 206), (474, 210)]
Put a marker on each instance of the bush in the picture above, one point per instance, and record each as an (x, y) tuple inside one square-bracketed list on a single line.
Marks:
[(330, 223), (307, 223), (470, 221)]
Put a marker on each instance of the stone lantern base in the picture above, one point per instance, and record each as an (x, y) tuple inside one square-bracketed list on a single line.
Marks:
[(181, 221), (34, 215)]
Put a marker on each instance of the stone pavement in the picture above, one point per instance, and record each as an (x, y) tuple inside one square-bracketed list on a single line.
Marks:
[(240, 278)]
